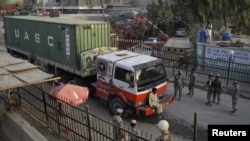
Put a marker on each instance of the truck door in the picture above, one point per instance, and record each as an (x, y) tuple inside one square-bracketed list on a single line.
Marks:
[(122, 80)]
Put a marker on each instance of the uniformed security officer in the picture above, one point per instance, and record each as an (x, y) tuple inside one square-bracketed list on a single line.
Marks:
[(235, 96), (209, 89), (217, 84), (163, 125), (118, 121), (178, 84), (191, 84), (135, 132), (11, 101)]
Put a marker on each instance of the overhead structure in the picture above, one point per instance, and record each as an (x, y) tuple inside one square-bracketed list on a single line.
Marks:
[(16, 72)]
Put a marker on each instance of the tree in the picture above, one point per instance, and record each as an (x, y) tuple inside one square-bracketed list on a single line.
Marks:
[(160, 18), (132, 28), (4, 4)]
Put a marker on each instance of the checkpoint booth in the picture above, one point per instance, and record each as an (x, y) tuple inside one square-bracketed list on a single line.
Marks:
[(176, 51)]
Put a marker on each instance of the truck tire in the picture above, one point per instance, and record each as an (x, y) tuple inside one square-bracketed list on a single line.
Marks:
[(116, 103)]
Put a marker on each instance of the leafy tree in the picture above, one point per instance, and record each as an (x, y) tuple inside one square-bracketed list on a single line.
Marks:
[(4, 4), (160, 19), (132, 28)]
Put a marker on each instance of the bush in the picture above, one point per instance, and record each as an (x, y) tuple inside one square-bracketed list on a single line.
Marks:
[(23, 12)]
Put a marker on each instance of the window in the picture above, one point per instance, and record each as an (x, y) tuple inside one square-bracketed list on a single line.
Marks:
[(122, 74)]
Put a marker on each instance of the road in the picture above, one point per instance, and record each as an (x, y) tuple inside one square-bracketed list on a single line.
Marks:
[(180, 114)]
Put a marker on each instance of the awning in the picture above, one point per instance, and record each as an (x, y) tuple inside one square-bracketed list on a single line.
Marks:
[(16, 72)]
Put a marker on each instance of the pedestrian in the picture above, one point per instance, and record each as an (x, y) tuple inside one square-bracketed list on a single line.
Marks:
[(209, 89), (217, 85), (209, 30), (118, 124), (163, 125), (191, 84), (235, 93), (134, 131), (178, 84), (154, 102)]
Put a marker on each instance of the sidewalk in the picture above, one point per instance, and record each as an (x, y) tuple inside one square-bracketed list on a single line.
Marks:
[(43, 129)]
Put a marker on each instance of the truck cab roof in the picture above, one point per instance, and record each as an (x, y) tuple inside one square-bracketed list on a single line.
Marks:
[(127, 59)]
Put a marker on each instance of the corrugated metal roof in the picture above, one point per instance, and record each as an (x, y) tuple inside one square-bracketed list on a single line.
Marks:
[(60, 20), (16, 72)]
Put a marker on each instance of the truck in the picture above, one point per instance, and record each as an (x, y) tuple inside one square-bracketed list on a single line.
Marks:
[(120, 78)]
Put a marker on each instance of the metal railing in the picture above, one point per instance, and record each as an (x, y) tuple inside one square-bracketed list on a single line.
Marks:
[(72, 123), (229, 71)]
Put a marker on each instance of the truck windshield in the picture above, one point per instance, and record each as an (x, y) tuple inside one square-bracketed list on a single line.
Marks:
[(150, 75)]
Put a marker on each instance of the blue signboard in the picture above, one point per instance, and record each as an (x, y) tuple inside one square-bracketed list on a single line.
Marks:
[(222, 55)]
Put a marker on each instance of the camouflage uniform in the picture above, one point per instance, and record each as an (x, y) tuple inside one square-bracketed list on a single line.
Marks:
[(210, 89), (11, 102), (217, 89), (178, 84), (235, 96), (192, 77)]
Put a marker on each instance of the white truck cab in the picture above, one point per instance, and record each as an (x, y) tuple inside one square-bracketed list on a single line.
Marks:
[(125, 79)]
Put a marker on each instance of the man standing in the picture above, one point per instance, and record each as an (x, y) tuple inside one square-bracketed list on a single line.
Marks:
[(209, 89), (209, 30), (217, 88), (235, 96), (154, 102), (135, 132), (118, 124), (191, 84), (178, 84)]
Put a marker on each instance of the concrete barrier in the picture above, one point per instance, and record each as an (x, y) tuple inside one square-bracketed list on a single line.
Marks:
[(15, 128)]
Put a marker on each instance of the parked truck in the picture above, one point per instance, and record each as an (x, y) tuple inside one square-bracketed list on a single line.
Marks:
[(122, 79)]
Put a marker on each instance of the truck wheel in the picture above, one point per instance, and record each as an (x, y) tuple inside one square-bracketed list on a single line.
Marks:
[(115, 104)]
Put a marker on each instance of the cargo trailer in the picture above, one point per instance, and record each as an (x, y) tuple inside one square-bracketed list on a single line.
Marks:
[(57, 41)]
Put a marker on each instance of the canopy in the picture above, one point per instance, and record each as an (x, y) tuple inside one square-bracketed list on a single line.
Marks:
[(16, 72)]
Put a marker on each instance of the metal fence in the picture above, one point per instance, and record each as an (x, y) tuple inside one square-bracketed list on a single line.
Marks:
[(229, 71), (72, 123)]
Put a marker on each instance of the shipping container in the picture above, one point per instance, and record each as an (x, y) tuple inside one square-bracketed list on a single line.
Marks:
[(57, 39)]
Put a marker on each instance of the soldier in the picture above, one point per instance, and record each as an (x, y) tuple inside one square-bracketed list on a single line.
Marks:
[(134, 131), (235, 96), (191, 84), (154, 102), (11, 101), (209, 89), (118, 121), (178, 84), (217, 88), (163, 125)]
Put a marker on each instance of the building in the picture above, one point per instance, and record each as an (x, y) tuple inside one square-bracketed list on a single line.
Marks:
[(176, 50), (73, 6)]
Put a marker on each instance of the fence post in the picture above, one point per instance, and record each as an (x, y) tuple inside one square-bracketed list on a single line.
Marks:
[(19, 97), (45, 107), (187, 65), (195, 126), (88, 122)]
